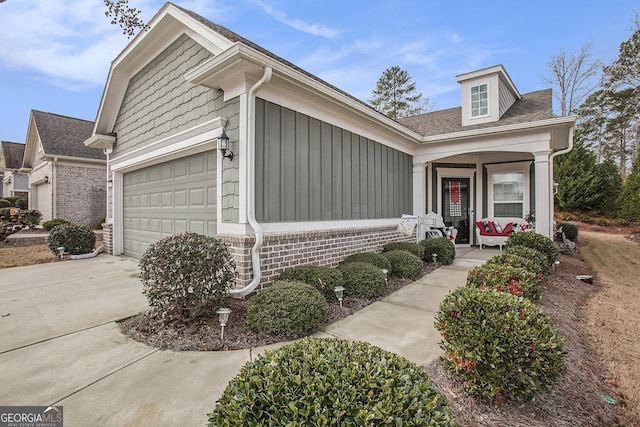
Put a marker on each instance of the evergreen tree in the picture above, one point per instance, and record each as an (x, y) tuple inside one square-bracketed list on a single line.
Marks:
[(608, 178), (578, 188), (395, 95), (628, 202)]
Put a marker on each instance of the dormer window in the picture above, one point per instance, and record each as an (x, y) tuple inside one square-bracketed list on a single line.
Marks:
[(479, 101)]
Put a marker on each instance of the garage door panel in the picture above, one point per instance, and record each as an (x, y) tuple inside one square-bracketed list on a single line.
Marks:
[(167, 199)]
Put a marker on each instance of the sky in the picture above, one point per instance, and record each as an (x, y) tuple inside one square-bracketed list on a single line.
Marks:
[(55, 54)]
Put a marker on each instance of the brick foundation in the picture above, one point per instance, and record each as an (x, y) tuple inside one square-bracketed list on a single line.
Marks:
[(107, 238), (285, 250)]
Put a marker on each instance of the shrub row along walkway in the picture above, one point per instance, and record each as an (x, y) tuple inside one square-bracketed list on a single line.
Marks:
[(60, 345)]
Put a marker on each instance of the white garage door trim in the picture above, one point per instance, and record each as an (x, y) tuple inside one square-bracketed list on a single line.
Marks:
[(192, 141)]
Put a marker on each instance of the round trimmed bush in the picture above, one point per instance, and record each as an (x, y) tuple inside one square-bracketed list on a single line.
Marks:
[(50, 224), (331, 382), (531, 254), (378, 260), (76, 239), (185, 274), (362, 280), (505, 278), (404, 264), (442, 246), (286, 308), (570, 230), (414, 248), (518, 261), (499, 344), (6, 213), (29, 217), (541, 243), (309, 274), (22, 203), (5, 203)]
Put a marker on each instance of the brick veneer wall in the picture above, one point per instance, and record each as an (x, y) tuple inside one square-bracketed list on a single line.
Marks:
[(81, 194), (285, 250)]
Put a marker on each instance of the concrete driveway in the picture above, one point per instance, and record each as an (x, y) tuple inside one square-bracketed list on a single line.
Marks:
[(59, 343)]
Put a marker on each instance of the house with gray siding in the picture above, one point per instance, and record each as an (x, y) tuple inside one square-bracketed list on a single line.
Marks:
[(66, 179), (315, 174), (14, 182)]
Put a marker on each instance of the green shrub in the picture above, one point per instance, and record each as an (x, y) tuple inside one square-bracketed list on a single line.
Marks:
[(499, 344), (404, 264), (76, 239), (518, 261), (12, 200), (362, 280), (622, 222), (4, 203), (541, 243), (378, 260), (6, 213), (585, 218), (442, 246), (30, 218), (185, 274), (505, 278), (414, 248), (565, 216), (22, 203), (50, 224), (286, 308), (531, 254), (331, 382), (100, 222), (570, 230), (309, 274), (603, 222)]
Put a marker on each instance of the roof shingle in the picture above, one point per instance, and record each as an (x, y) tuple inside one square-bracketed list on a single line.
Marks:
[(65, 136), (12, 152)]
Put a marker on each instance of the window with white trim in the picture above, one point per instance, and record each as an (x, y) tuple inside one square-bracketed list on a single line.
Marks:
[(508, 189), (479, 100)]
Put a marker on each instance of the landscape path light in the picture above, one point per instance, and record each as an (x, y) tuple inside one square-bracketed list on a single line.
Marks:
[(386, 275), (339, 290), (223, 316), (434, 257)]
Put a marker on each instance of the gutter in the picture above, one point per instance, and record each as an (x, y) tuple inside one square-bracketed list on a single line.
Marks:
[(551, 180), (251, 202)]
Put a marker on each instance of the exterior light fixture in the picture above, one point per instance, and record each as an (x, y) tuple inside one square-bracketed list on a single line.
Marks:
[(339, 290), (223, 146), (223, 316), (386, 274), (60, 250), (46, 179), (555, 187), (434, 257)]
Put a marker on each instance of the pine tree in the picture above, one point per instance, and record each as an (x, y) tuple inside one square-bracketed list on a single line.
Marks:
[(578, 188), (628, 202), (395, 95)]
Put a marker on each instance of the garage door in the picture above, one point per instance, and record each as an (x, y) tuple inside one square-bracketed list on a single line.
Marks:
[(169, 198), (41, 200)]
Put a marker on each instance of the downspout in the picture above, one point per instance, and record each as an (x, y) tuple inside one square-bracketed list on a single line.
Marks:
[(551, 157), (251, 167)]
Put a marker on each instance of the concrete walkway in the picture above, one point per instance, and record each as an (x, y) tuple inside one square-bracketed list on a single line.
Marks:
[(59, 343)]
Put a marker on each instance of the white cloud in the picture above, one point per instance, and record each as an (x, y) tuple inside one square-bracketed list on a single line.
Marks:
[(298, 24), (72, 43)]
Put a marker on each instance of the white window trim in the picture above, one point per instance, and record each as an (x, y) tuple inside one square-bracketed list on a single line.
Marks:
[(471, 116), (524, 168)]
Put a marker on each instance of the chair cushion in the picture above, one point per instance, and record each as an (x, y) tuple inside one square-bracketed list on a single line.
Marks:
[(507, 228), (492, 227)]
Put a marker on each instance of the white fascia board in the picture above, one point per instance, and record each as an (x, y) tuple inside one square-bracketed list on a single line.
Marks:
[(213, 73), (496, 69), (568, 121), (191, 141), (104, 142)]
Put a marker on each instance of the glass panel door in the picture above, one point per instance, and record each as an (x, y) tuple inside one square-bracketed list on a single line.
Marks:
[(455, 206)]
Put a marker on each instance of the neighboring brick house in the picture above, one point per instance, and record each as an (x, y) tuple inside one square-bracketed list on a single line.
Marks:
[(315, 173), (66, 178), (14, 182)]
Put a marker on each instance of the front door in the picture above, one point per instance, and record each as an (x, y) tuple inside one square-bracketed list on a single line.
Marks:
[(455, 206)]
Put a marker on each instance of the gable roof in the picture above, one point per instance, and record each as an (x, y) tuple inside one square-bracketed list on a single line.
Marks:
[(65, 136), (533, 106), (12, 153)]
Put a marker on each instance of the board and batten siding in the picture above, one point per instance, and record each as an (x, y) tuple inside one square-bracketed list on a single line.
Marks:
[(309, 170)]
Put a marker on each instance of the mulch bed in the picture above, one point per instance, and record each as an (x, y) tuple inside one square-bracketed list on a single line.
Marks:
[(575, 402), (203, 333)]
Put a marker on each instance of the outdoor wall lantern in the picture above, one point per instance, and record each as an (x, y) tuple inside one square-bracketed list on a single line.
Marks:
[(46, 179), (223, 146), (339, 290), (223, 316), (555, 187)]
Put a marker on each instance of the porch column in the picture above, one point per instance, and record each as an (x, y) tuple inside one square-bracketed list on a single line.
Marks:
[(419, 188), (543, 191)]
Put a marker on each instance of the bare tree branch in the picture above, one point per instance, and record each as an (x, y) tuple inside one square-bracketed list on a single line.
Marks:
[(124, 15)]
